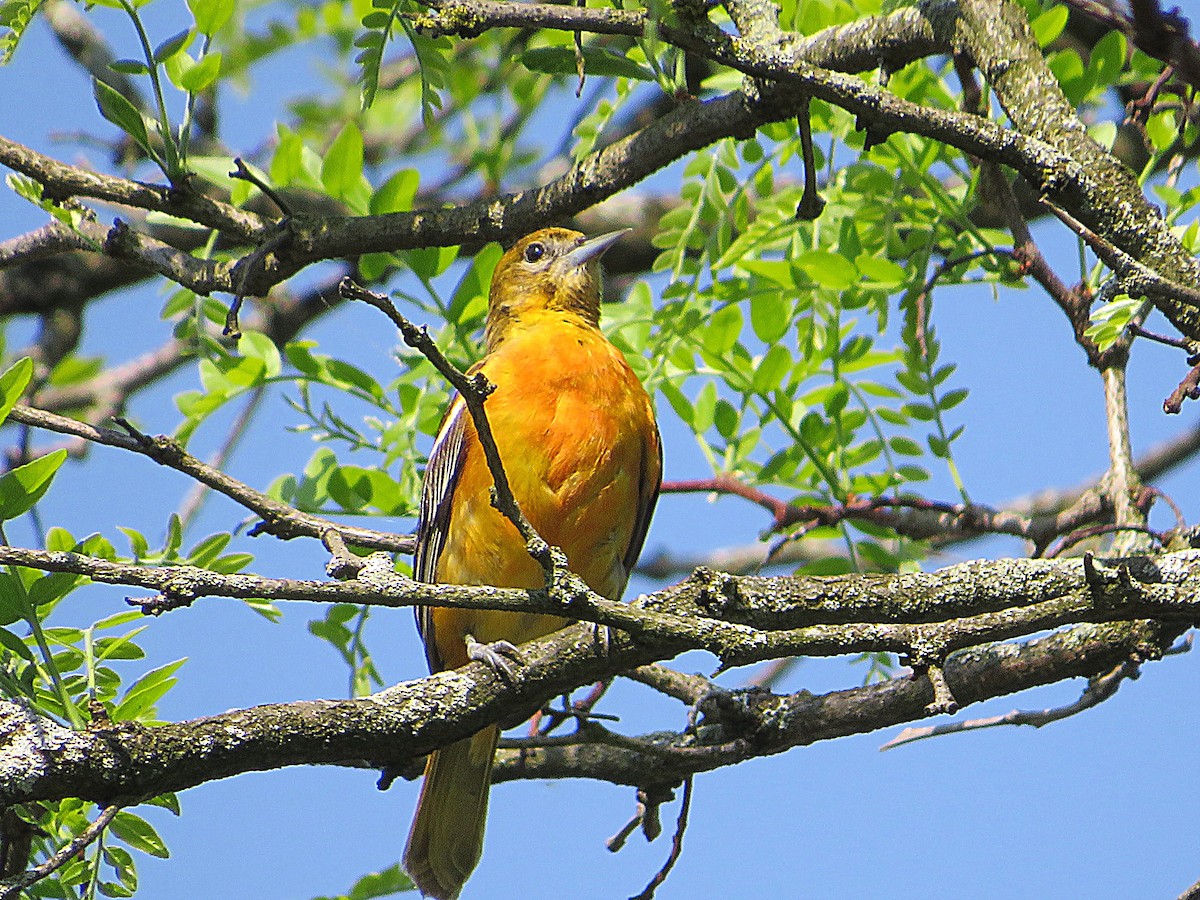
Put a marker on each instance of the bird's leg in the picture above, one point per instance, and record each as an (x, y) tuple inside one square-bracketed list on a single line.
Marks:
[(499, 655)]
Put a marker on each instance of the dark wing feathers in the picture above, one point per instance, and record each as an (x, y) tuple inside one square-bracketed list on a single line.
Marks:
[(433, 520), (651, 481)]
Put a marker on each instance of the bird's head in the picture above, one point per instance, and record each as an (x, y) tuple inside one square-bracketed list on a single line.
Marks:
[(551, 269)]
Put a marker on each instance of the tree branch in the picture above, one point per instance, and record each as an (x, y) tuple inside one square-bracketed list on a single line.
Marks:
[(278, 518), (128, 762)]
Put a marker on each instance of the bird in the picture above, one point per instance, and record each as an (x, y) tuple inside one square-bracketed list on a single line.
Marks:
[(580, 446)]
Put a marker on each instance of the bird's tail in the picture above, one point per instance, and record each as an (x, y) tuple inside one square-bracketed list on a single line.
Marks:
[(446, 839)]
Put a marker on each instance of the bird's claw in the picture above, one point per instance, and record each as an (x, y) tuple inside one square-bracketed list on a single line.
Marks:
[(499, 656)]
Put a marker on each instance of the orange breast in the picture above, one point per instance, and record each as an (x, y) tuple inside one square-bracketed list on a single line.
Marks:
[(575, 431)]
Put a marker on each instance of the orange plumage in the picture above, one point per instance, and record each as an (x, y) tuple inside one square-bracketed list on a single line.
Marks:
[(576, 432)]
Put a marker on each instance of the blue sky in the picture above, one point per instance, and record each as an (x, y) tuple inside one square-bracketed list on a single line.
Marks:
[(1094, 806)]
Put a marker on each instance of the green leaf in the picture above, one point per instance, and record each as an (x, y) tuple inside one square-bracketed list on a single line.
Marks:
[(770, 315), (475, 281), (118, 619), (827, 269), (905, 446), (210, 15), (836, 399), (256, 345), (952, 398), (397, 193), (208, 549), (705, 408), (342, 171), (385, 883), (52, 587), (14, 644), (202, 74), (172, 45), (121, 647), (24, 486), (680, 403), (882, 272), (776, 270), (596, 61), (139, 834), (13, 383), (351, 375), (775, 366), (1108, 58), (130, 67), (724, 328), (138, 545), (168, 801), (1050, 24), (118, 110), (13, 602), (146, 691), (174, 534)]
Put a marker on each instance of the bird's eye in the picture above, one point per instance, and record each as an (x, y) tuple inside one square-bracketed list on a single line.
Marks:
[(534, 252)]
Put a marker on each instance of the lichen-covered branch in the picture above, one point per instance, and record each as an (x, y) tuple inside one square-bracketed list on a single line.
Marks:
[(125, 762)]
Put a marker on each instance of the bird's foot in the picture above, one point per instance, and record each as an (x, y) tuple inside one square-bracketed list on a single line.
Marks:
[(499, 655)]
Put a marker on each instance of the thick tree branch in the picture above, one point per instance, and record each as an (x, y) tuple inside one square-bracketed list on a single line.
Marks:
[(1101, 193), (62, 181), (1054, 153), (126, 763), (770, 723)]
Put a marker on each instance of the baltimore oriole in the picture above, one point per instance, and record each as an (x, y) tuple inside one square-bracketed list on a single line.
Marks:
[(577, 436)]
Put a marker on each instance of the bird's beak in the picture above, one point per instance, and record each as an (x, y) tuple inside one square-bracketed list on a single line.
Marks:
[(591, 248)]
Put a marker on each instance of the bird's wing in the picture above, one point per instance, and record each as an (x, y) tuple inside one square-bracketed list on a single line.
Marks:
[(433, 521), (651, 481)]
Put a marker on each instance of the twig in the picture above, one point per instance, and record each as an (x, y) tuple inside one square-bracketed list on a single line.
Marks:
[(685, 688), (1122, 480), (1192, 893), (676, 844), (1070, 540), (1177, 343), (12, 887), (1041, 517), (242, 172), (1187, 389), (617, 841), (49, 240), (195, 498), (1163, 36), (772, 672), (1098, 690), (580, 710), (1136, 278), (1138, 110), (71, 181), (811, 203), (913, 517), (278, 519)]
